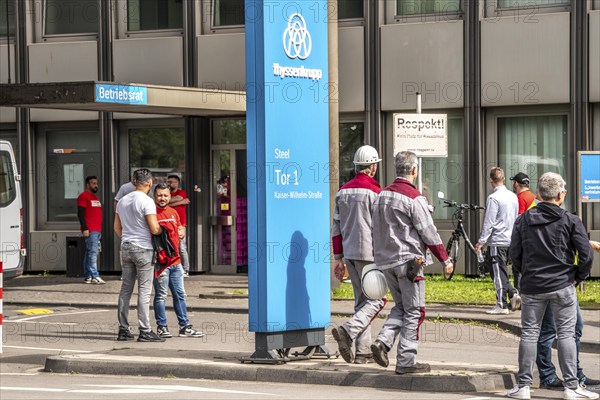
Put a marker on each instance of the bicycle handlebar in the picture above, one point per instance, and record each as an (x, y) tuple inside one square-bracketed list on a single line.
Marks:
[(472, 207)]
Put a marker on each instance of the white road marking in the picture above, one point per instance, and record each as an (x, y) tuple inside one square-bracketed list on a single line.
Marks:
[(41, 322), (132, 389), (30, 389), (177, 388), (16, 374), (56, 315), (45, 348)]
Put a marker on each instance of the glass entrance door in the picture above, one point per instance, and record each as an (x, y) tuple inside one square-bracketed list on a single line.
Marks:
[(229, 218), (229, 212)]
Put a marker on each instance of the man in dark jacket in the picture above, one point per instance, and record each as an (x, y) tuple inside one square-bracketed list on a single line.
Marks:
[(543, 246)]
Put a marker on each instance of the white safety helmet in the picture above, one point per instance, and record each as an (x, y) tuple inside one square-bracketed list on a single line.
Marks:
[(373, 282), (366, 155)]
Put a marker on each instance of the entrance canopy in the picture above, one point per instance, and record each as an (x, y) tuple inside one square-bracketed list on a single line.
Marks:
[(123, 97)]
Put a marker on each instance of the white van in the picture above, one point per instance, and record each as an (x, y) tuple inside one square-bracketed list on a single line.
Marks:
[(12, 241)]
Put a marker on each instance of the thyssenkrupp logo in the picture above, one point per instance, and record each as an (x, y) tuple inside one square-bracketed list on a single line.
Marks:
[(297, 42)]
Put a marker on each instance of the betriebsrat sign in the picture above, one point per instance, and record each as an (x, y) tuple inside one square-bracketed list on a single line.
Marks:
[(426, 135)]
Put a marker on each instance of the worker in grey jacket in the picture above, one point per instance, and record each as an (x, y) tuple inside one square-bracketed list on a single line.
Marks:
[(501, 211), (403, 231), (352, 242)]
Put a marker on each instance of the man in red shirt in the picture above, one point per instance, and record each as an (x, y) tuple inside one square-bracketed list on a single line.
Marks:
[(179, 202), (525, 197), (89, 212), (170, 276), (521, 188)]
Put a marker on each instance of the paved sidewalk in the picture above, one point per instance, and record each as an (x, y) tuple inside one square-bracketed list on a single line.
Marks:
[(226, 294)]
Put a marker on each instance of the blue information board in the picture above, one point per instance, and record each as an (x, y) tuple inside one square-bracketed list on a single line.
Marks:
[(288, 165), (589, 184), (121, 94)]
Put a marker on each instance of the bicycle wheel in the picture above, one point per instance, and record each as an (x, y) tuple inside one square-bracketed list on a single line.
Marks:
[(453, 250)]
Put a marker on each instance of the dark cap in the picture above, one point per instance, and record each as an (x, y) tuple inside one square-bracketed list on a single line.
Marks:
[(520, 178)]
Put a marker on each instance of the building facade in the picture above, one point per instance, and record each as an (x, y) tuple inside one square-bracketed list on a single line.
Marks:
[(518, 79)]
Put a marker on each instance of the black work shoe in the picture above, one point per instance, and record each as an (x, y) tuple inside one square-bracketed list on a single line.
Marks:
[(149, 336), (418, 368), (125, 335), (556, 384), (344, 343), (380, 353), (363, 359)]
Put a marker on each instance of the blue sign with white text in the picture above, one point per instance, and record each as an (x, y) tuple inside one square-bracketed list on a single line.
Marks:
[(288, 165), (121, 94), (589, 186)]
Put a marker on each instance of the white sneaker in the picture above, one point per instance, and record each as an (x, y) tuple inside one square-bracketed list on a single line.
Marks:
[(98, 281), (579, 393), (497, 310), (515, 302), (519, 393)]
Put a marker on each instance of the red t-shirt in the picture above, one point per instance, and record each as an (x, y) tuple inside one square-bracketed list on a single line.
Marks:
[(169, 219), (525, 199), (181, 210), (93, 210)]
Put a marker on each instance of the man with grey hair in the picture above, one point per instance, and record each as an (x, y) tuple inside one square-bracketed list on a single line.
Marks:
[(545, 243), (403, 231), (135, 223), (501, 211)]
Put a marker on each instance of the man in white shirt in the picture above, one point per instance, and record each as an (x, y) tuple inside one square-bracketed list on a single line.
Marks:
[(501, 211), (135, 223)]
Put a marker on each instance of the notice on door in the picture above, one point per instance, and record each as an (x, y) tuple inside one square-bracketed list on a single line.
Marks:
[(426, 135)]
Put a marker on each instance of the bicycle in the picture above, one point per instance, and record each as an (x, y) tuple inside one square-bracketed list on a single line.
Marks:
[(453, 246)]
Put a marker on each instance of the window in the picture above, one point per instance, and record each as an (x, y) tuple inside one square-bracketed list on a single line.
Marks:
[(71, 17), (419, 7), (351, 138), (145, 15), (350, 9), (8, 190), (228, 13), (229, 131), (529, 3), (12, 137), (7, 18), (161, 150), (534, 145), (70, 157), (446, 174)]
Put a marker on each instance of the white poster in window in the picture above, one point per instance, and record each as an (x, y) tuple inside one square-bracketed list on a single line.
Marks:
[(73, 174)]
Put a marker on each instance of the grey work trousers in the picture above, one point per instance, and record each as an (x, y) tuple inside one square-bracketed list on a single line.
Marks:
[(563, 304), (136, 263), (406, 316), (183, 253), (365, 310)]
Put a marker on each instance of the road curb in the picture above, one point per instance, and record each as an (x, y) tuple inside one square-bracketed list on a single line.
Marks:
[(460, 382)]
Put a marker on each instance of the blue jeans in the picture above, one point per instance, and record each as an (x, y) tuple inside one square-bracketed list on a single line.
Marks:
[(90, 267), (170, 278), (544, 347)]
